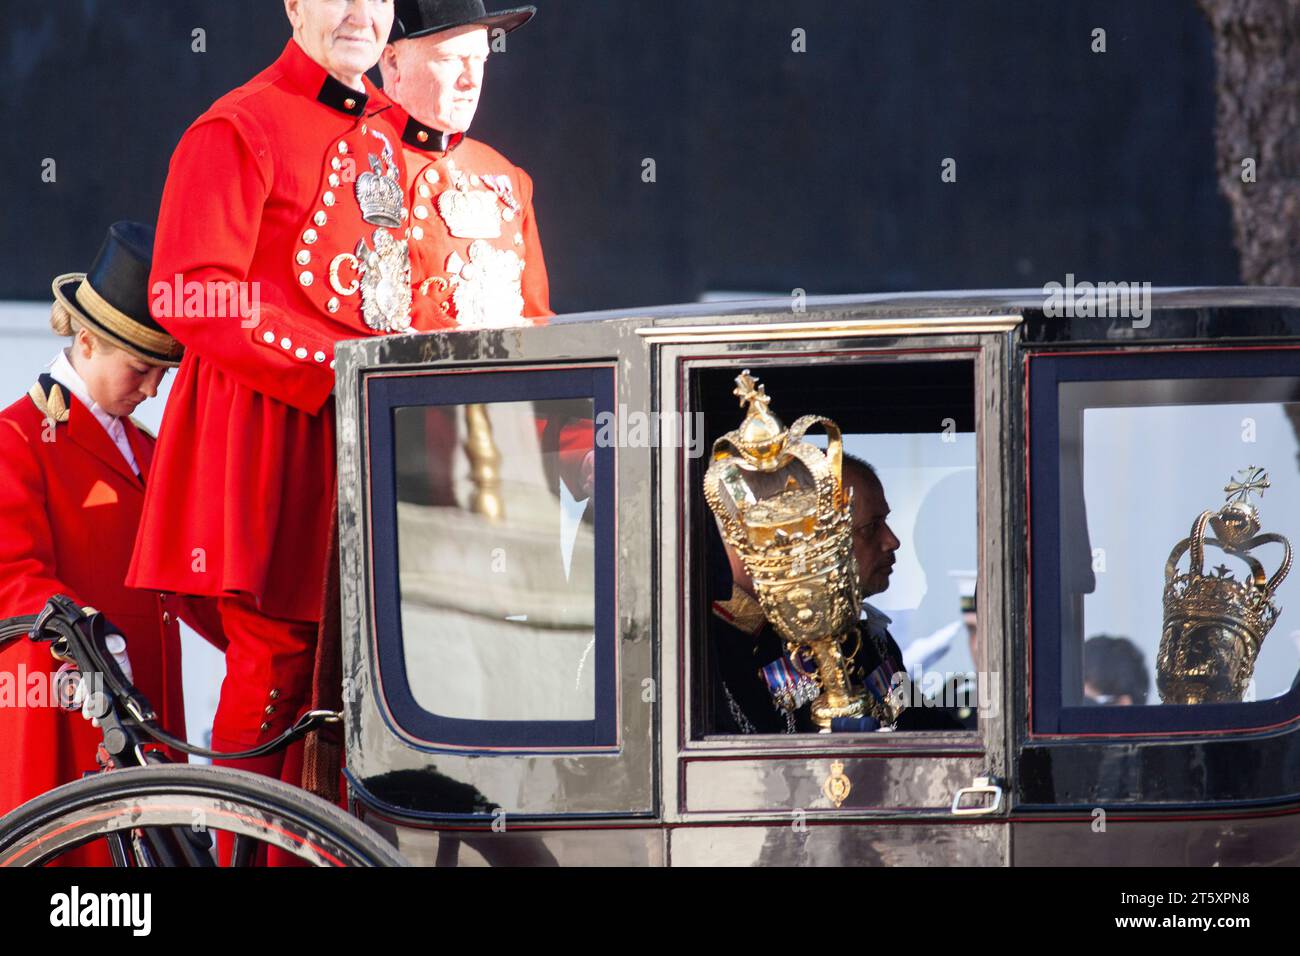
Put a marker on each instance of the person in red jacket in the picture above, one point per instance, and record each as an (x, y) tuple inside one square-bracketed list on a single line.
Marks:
[(282, 231), (476, 255), (73, 469)]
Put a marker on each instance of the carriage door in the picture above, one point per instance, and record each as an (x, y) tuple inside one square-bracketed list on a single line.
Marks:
[(496, 600), (921, 402), (1164, 693)]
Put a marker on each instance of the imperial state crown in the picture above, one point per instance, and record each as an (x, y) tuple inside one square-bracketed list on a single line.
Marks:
[(1214, 623)]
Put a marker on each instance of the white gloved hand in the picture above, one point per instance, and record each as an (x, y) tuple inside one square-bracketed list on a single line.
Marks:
[(93, 705), (116, 645)]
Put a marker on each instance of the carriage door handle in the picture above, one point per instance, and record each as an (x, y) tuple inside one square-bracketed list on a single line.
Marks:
[(989, 785)]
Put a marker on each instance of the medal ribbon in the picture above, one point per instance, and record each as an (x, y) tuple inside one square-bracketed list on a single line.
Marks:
[(789, 688)]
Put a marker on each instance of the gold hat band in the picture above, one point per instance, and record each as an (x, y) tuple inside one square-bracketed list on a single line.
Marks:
[(121, 324)]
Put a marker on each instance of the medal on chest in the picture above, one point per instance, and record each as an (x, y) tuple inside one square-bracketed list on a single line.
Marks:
[(378, 268), (469, 212), (485, 290), (505, 191)]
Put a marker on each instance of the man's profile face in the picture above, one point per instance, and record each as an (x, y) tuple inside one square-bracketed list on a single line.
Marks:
[(438, 78), (344, 36), (874, 543)]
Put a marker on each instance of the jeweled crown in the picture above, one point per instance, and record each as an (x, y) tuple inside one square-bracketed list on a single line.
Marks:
[(1214, 623)]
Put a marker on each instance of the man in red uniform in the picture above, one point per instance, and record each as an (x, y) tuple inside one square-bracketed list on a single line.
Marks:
[(73, 470), (286, 196), (476, 258)]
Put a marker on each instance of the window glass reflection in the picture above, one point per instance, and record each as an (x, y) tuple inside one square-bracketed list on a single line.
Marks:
[(495, 550), (1140, 461)]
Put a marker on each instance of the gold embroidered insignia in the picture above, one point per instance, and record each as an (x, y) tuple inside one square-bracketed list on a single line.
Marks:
[(54, 407), (741, 612)]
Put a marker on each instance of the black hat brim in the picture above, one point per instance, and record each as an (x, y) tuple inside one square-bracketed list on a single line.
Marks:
[(65, 292), (507, 20)]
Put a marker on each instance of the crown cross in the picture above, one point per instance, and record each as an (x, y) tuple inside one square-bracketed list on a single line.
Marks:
[(1249, 481), (750, 392)]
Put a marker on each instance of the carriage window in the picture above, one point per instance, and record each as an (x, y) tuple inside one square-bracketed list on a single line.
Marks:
[(1177, 498), (503, 623), (495, 556), (910, 459)]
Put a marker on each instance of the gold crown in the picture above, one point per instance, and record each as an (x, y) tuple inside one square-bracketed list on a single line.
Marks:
[(783, 508), (1214, 623), (379, 191)]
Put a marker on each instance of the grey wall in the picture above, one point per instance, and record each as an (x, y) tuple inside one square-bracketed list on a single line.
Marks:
[(775, 170)]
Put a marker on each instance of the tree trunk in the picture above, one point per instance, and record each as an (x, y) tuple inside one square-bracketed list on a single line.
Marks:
[(1257, 52)]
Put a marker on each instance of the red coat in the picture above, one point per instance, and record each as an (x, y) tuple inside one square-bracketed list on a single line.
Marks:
[(476, 255), (462, 276), (69, 508), (262, 192)]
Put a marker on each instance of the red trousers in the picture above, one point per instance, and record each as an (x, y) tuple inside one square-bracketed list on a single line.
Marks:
[(269, 664)]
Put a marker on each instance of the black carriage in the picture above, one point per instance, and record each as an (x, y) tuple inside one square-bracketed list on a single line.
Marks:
[(528, 672), (556, 705)]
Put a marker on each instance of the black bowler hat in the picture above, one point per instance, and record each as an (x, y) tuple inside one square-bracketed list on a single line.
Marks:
[(112, 299), (418, 18)]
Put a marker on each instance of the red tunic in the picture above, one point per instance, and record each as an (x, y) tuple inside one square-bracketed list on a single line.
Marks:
[(476, 259), (476, 255), (263, 191), (69, 508)]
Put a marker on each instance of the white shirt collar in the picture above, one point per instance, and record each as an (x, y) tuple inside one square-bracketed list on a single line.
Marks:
[(61, 371)]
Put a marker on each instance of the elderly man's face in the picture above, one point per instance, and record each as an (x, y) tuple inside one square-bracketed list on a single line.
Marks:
[(346, 37), (438, 78), (874, 543)]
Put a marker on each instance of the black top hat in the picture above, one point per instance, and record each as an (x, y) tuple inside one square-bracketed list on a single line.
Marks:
[(418, 18), (112, 299)]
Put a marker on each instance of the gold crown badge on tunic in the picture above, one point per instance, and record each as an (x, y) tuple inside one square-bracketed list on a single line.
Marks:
[(1214, 623), (785, 511)]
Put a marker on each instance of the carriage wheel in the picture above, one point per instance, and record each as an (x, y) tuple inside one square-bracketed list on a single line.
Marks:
[(152, 815)]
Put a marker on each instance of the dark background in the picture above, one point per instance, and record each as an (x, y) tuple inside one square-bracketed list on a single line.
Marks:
[(775, 169)]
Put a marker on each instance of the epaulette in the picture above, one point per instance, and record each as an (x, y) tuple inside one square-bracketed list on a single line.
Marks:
[(741, 612), (50, 398)]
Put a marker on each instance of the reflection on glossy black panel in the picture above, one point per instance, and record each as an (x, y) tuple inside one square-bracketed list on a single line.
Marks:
[(1197, 772), (883, 396)]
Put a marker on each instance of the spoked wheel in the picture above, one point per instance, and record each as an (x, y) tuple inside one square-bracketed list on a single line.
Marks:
[(160, 816)]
